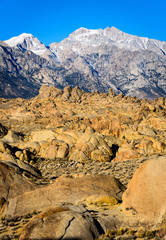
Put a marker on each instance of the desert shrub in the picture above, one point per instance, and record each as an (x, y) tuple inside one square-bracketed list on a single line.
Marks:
[(121, 231)]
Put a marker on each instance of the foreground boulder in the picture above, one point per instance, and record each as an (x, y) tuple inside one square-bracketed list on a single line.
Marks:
[(12, 184), (64, 221), (69, 189), (146, 193)]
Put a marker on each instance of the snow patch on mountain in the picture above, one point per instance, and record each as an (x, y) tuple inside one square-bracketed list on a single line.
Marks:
[(12, 42), (85, 38), (27, 42)]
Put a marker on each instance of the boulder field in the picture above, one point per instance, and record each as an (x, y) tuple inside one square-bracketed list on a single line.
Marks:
[(76, 165)]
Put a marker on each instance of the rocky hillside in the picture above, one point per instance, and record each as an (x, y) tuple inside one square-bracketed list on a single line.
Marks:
[(66, 159), (95, 60)]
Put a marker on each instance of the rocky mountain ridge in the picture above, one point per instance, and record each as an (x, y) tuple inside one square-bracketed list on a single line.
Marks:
[(95, 60)]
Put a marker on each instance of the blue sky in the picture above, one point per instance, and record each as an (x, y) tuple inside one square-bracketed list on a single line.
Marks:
[(52, 20)]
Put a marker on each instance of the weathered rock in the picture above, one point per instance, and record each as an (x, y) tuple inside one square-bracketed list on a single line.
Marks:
[(91, 146), (145, 146), (159, 146), (32, 146), (146, 192), (47, 91), (43, 135), (73, 190), (3, 131), (76, 94), (63, 150), (19, 154), (3, 146), (126, 152), (71, 141), (146, 130), (111, 93), (49, 150), (12, 184), (12, 137), (65, 221), (28, 168), (6, 157), (66, 93)]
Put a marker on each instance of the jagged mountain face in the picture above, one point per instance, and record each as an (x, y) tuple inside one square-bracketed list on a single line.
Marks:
[(95, 60), (22, 73), (87, 41)]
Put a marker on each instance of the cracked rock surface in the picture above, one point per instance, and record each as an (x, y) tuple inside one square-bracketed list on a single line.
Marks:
[(65, 221)]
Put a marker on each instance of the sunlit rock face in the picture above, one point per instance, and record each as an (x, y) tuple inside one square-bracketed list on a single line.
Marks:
[(75, 153)]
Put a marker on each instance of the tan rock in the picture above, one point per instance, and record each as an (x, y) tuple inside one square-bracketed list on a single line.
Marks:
[(64, 221), (89, 130), (91, 146), (79, 156), (75, 134), (49, 150), (3, 131), (12, 184), (75, 156), (67, 139), (146, 130), (43, 135), (31, 146), (129, 134), (145, 146), (126, 152), (96, 155), (115, 126), (62, 151), (47, 91), (159, 146), (12, 137), (111, 93), (66, 93), (6, 157), (27, 167), (19, 154), (85, 137), (88, 147), (105, 158), (158, 123), (3, 146), (83, 157), (70, 189), (146, 192), (69, 113)]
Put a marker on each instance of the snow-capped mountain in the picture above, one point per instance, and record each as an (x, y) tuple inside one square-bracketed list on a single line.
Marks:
[(84, 41), (28, 42), (95, 60)]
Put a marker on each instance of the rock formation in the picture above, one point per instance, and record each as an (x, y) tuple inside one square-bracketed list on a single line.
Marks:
[(146, 191), (67, 157)]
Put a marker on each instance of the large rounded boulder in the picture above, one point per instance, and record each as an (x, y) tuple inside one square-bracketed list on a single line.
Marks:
[(146, 192), (64, 221), (65, 189)]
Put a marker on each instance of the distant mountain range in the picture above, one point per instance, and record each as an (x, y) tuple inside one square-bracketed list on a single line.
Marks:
[(94, 60)]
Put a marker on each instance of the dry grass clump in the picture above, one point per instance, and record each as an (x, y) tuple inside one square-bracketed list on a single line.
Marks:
[(129, 233)]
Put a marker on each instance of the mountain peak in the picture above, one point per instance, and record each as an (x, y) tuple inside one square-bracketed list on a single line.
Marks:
[(81, 30), (12, 42), (27, 41), (26, 35)]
